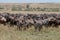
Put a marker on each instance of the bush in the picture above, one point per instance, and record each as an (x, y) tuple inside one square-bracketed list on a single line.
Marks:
[(16, 9)]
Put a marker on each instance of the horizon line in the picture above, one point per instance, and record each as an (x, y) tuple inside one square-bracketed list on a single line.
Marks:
[(41, 3)]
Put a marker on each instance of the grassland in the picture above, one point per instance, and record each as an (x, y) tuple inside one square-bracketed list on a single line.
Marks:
[(11, 33), (47, 7)]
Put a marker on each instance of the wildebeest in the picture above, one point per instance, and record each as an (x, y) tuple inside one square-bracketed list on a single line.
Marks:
[(39, 23), (20, 22), (25, 21), (3, 20)]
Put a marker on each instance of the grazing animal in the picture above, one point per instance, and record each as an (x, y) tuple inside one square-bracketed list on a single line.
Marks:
[(2, 20)]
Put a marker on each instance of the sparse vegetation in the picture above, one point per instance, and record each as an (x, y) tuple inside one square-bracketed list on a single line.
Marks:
[(16, 9), (1, 8), (30, 7), (43, 9)]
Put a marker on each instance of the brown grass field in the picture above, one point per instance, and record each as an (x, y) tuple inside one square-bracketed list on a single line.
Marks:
[(11, 33)]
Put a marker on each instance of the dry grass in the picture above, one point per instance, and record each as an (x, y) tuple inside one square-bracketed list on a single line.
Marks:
[(8, 6), (28, 12), (11, 33)]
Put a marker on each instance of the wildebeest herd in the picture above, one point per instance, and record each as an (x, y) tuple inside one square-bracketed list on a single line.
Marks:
[(25, 21)]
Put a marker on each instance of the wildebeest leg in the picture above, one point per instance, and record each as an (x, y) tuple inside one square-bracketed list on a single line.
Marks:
[(25, 27), (56, 25), (39, 28), (4, 23), (36, 27), (11, 24), (19, 26), (30, 25)]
